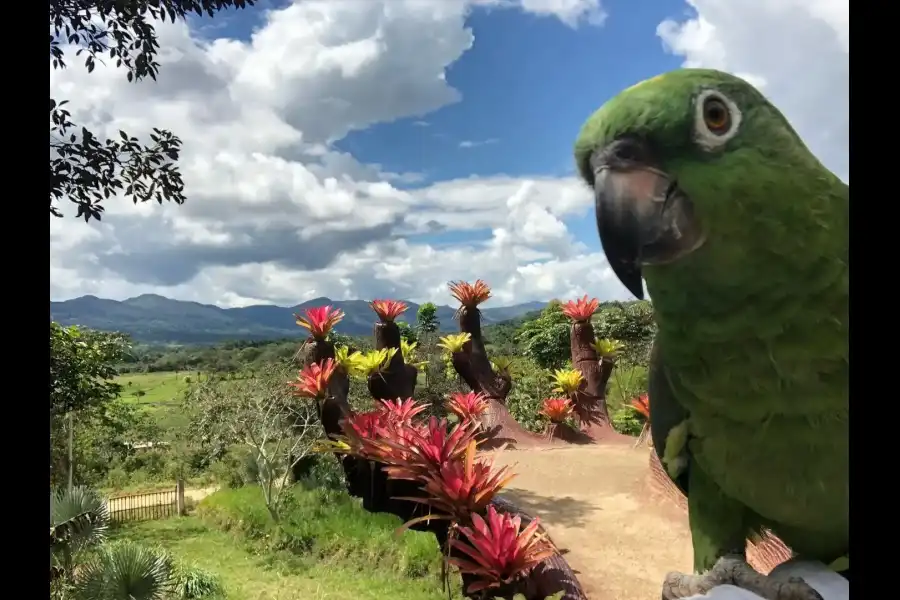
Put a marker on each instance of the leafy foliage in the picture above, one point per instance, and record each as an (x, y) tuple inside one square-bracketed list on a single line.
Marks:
[(262, 415), (545, 340), (82, 367), (84, 168), (124, 570), (426, 318)]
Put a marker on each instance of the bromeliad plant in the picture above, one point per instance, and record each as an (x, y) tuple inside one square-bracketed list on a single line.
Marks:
[(498, 550), (312, 381), (581, 310), (641, 404), (319, 321), (411, 355), (556, 409), (467, 407), (388, 310), (567, 381), (608, 349), (454, 342)]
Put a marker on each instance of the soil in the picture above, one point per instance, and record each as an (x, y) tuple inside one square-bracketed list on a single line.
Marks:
[(617, 532)]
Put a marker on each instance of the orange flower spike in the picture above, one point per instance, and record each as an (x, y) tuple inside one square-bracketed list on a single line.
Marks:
[(320, 320), (468, 406), (470, 295), (388, 310), (312, 381), (581, 310), (557, 409), (642, 405)]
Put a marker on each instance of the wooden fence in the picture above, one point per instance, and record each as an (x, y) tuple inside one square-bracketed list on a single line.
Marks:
[(147, 505)]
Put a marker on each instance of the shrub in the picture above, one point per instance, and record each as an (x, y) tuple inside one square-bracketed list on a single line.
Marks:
[(531, 384), (323, 524), (190, 582), (627, 420)]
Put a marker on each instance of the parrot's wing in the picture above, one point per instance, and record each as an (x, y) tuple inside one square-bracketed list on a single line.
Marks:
[(665, 415)]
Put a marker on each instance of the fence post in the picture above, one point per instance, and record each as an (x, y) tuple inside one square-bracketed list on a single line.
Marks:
[(179, 496)]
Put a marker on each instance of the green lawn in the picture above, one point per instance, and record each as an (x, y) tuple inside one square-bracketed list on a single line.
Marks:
[(159, 393), (250, 576)]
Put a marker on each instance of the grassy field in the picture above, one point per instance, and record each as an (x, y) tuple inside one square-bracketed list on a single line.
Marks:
[(159, 393)]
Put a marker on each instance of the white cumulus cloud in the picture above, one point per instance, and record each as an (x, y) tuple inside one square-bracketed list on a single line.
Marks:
[(276, 214)]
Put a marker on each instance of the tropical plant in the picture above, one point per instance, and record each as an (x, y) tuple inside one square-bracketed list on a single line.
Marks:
[(467, 407), (580, 310), (410, 354), (557, 409), (608, 348), (190, 582), (502, 365), (454, 342), (468, 294), (545, 340), (464, 486), (79, 519), (388, 310), (312, 381), (346, 359), (374, 361), (125, 570), (320, 320), (567, 381), (498, 550)]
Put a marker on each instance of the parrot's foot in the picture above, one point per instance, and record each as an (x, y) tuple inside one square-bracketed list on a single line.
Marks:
[(734, 570)]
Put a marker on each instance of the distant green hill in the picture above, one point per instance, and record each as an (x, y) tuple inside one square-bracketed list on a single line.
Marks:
[(155, 319)]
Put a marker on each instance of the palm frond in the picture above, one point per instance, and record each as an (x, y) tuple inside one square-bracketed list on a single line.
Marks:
[(125, 570)]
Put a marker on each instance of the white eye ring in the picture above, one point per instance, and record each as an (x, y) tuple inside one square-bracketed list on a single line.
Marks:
[(705, 138)]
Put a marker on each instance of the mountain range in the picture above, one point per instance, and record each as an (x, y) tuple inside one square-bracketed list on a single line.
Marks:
[(150, 318)]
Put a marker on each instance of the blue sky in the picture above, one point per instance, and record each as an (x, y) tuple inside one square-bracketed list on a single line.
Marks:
[(527, 85), (309, 174)]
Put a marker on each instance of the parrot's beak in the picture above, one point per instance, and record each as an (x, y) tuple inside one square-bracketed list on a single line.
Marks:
[(642, 215)]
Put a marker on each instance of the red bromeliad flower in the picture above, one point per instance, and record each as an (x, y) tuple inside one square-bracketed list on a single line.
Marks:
[(320, 320), (312, 381), (557, 409), (464, 486), (424, 450), (400, 410), (498, 551), (388, 310), (470, 295), (642, 405), (467, 406), (580, 310)]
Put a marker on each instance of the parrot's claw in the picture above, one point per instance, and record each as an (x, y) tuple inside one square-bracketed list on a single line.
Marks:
[(734, 570)]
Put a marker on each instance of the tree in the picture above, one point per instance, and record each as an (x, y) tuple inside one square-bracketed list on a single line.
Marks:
[(426, 318), (82, 367), (545, 339), (407, 333), (262, 415), (84, 168)]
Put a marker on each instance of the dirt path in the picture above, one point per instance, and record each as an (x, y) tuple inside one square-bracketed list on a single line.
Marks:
[(620, 538)]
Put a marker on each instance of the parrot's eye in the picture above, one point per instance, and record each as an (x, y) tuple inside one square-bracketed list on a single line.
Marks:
[(716, 116), (717, 119)]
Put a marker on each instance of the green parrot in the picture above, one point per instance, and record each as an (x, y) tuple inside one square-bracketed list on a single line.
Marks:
[(705, 191)]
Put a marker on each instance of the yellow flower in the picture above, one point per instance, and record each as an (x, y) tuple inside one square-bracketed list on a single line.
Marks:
[(455, 341), (567, 380), (410, 356), (608, 348), (374, 360), (350, 362)]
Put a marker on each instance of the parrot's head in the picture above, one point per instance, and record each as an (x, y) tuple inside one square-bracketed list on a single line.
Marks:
[(682, 165)]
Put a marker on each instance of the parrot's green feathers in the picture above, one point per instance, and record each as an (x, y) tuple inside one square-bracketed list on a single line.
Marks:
[(753, 319), (675, 456)]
